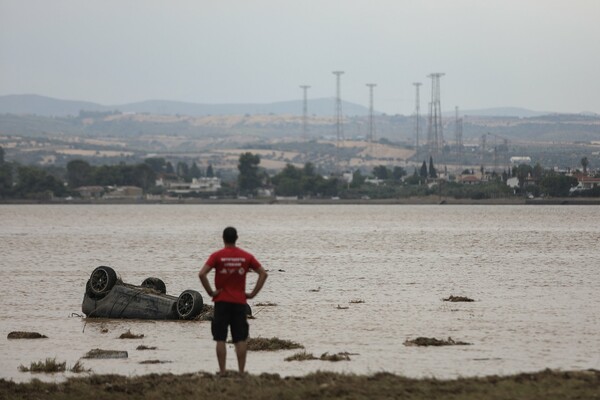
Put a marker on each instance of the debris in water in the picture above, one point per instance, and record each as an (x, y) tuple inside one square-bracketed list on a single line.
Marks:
[(424, 341), (357, 301), (129, 335), (272, 344), (25, 335), (315, 290), (99, 353), (456, 299), (207, 313), (342, 308), (302, 356), (266, 304), (142, 347), (334, 357), (154, 362)]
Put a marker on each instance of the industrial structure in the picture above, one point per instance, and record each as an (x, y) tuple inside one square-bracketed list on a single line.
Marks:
[(304, 111), (417, 115), (435, 136), (339, 123), (371, 136)]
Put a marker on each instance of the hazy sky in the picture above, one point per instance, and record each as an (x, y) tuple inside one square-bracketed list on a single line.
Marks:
[(538, 54)]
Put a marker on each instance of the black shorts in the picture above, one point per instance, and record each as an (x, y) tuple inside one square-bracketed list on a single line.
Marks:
[(229, 314)]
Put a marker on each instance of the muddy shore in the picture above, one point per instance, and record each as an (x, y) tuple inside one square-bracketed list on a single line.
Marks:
[(546, 385)]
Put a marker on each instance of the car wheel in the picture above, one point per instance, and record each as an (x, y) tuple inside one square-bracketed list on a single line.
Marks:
[(156, 284), (189, 304), (102, 280)]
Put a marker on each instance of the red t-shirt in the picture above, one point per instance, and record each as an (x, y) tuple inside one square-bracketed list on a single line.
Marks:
[(231, 265)]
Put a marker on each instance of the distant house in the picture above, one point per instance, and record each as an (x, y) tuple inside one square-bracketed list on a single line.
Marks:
[(125, 192), (90, 192), (585, 182), (197, 185), (469, 180), (517, 160)]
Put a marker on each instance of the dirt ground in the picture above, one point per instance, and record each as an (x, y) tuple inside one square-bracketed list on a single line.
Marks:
[(545, 385)]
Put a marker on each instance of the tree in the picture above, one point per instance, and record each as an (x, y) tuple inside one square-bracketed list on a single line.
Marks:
[(144, 176), (1, 155), (248, 179), (169, 168), (183, 171), (36, 183), (209, 171), (381, 172), (79, 173), (357, 179), (557, 185), (6, 180), (157, 164), (584, 164), (398, 173), (423, 172), (195, 171), (432, 171)]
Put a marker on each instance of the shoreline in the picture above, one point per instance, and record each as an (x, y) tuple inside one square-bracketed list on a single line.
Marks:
[(269, 201), (546, 384)]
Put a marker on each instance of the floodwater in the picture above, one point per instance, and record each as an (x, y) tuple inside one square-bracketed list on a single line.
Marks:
[(533, 271)]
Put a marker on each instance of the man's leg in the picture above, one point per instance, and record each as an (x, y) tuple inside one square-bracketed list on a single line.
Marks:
[(222, 356), (241, 348)]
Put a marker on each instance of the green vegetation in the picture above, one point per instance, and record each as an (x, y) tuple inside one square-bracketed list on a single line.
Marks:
[(248, 178), (272, 344), (49, 366), (547, 385)]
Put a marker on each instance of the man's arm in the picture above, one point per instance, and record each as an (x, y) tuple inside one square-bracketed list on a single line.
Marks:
[(203, 275), (262, 277)]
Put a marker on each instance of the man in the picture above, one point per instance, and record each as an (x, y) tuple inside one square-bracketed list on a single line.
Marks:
[(231, 264)]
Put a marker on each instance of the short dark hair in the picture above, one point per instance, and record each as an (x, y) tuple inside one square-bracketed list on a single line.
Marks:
[(230, 235)]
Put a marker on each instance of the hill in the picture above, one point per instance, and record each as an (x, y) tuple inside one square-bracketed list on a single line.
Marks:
[(30, 104)]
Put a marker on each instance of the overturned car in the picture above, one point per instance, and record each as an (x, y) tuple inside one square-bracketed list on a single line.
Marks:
[(107, 296)]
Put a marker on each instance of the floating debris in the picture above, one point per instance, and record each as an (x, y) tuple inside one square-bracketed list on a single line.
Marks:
[(142, 347), (49, 366), (335, 357), (424, 341), (101, 354), (357, 301), (129, 335), (154, 362), (302, 356), (342, 308), (315, 290), (266, 304), (25, 335), (456, 299), (207, 313), (272, 344)]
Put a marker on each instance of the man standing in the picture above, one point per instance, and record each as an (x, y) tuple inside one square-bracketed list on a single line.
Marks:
[(231, 265)]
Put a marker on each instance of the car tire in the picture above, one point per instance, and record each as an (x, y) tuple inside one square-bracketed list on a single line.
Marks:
[(102, 280), (189, 304), (156, 284)]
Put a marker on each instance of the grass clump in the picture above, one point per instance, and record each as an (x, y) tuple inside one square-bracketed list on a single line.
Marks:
[(425, 341), (272, 344), (49, 366), (143, 347), (25, 335), (130, 335), (79, 368), (456, 299), (301, 356)]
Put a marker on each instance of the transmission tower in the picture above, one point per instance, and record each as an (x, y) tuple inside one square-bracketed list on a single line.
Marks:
[(371, 117), (305, 112), (458, 126), (417, 115), (338, 117), (435, 137)]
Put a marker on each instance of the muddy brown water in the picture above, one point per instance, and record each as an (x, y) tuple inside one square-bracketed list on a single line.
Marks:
[(533, 271)]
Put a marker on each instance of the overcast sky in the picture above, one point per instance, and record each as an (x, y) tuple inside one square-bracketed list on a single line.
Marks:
[(538, 54)]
